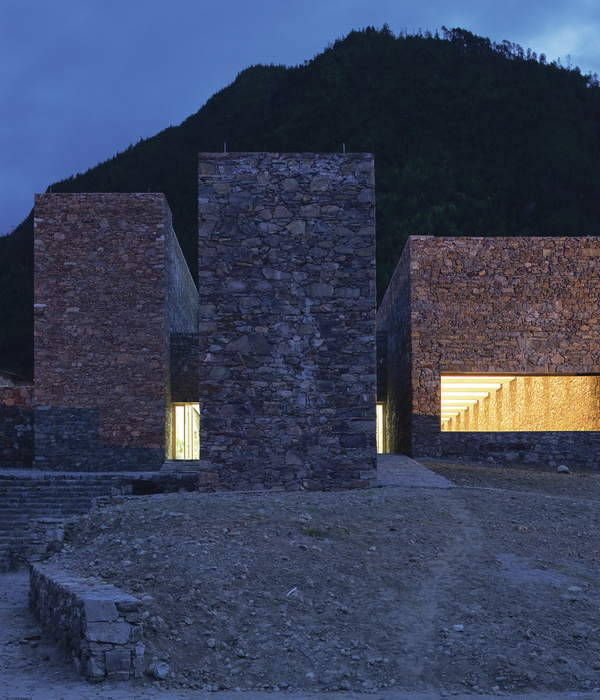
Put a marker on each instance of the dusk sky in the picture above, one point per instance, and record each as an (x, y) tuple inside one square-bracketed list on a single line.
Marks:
[(83, 79)]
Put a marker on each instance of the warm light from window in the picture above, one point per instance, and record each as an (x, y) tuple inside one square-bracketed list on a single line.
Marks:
[(380, 423), (186, 431), (502, 403)]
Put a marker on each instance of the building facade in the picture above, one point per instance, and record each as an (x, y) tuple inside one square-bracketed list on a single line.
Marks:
[(262, 377), (493, 349)]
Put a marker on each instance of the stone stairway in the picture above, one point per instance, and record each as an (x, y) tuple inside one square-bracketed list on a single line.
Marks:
[(35, 505)]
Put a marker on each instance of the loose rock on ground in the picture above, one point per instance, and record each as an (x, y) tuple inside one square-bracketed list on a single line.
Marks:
[(489, 589)]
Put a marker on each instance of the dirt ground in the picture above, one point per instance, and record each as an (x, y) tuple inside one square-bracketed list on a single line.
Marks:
[(489, 587)]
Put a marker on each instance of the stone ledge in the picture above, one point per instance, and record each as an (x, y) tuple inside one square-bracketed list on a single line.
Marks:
[(100, 623)]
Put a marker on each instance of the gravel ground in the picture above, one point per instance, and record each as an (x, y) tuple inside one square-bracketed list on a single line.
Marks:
[(490, 587)]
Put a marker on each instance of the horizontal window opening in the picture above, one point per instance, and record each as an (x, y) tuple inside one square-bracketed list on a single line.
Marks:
[(520, 403)]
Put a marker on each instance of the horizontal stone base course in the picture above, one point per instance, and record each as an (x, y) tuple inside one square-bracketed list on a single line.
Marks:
[(575, 449), (99, 623), (68, 439), (215, 477)]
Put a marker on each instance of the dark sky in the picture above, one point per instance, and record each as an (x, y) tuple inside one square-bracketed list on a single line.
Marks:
[(82, 79)]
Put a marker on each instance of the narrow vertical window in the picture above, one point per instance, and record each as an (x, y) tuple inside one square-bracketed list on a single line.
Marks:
[(186, 431), (380, 427)]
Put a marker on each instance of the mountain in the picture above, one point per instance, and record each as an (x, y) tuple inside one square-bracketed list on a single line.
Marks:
[(470, 138)]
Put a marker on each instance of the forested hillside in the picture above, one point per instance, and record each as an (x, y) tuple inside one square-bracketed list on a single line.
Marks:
[(469, 137)]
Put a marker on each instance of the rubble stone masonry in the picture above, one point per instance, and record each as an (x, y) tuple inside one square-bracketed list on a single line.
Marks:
[(287, 320), (110, 287), (98, 622), (184, 367), (523, 306), (16, 426)]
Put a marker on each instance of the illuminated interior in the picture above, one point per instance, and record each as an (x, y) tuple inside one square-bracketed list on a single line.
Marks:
[(511, 403), (186, 431), (380, 423), (460, 393)]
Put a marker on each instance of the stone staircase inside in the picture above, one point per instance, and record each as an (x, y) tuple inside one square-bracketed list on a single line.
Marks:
[(35, 506)]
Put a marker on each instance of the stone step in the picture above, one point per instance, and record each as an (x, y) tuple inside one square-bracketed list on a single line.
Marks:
[(25, 499), (35, 496)]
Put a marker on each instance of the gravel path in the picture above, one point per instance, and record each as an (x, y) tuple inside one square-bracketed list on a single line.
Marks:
[(489, 588), (399, 470)]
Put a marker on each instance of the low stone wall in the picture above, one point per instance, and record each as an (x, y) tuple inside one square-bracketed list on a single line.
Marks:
[(579, 450), (100, 623), (16, 427)]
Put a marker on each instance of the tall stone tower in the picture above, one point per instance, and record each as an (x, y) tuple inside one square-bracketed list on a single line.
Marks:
[(287, 320)]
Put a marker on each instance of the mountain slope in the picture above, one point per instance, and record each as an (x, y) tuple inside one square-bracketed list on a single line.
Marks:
[(469, 137)]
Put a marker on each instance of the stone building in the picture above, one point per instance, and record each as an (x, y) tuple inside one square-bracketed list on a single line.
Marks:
[(110, 288), (263, 376), (287, 319), (492, 350)]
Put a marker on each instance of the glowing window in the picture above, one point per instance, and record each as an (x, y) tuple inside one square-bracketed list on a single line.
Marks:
[(186, 431), (512, 403), (380, 423)]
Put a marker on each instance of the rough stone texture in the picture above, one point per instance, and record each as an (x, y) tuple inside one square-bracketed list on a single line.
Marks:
[(393, 323), (45, 537), (33, 504), (548, 449), (101, 624), (499, 306), (184, 367), (535, 403), (16, 426), (110, 287), (382, 366), (287, 320)]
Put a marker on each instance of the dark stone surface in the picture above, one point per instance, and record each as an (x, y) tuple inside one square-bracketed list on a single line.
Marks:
[(184, 367), (287, 320), (16, 427), (68, 439), (394, 324), (574, 449)]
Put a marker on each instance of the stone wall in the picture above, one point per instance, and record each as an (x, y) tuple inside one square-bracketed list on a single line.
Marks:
[(109, 289), (184, 367), (16, 427), (382, 365), (499, 306), (546, 449), (99, 623), (287, 320), (393, 322)]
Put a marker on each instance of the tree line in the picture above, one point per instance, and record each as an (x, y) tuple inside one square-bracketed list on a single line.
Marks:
[(470, 138)]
